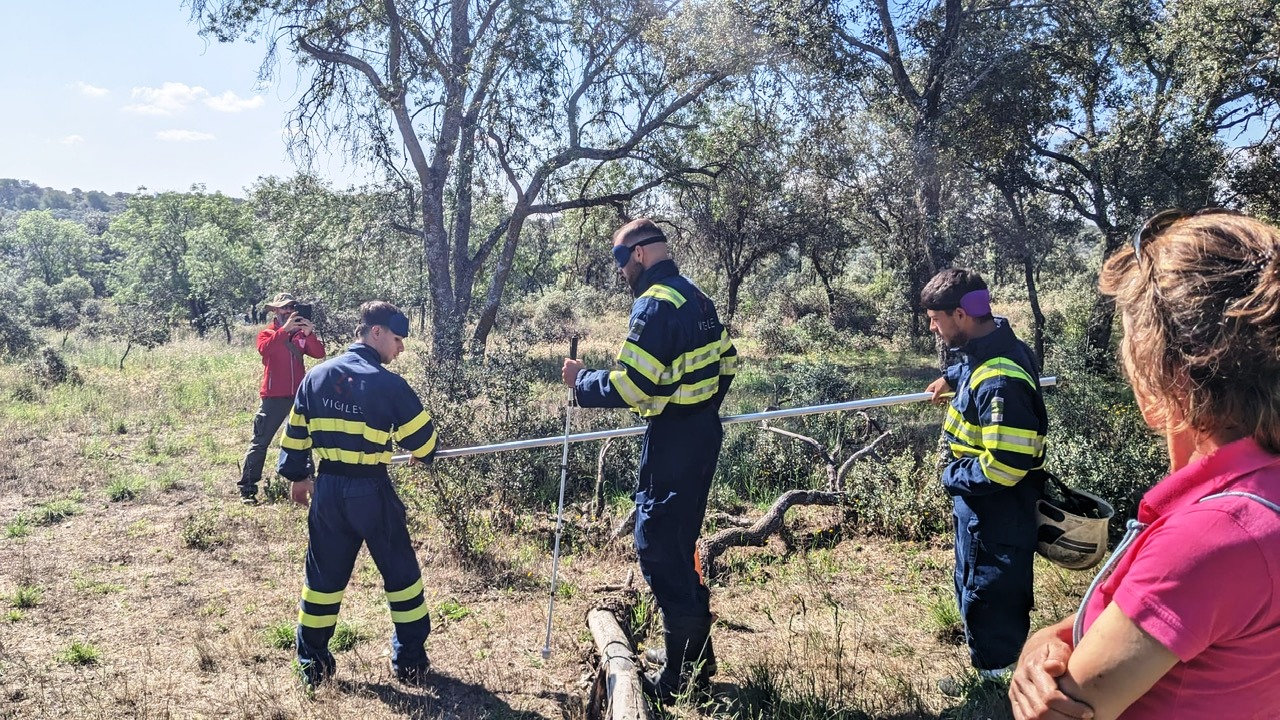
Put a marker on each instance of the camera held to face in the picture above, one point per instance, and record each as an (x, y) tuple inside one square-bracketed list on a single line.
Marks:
[(303, 310)]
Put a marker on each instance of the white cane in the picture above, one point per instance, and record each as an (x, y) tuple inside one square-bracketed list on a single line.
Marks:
[(564, 472)]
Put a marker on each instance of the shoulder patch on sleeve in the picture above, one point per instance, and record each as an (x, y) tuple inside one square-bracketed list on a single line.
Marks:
[(997, 409), (637, 327)]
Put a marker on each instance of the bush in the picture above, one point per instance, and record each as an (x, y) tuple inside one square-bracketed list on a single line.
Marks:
[(52, 369), (900, 498), (202, 531), (777, 334), (15, 336), (1098, 441), (555, 316)]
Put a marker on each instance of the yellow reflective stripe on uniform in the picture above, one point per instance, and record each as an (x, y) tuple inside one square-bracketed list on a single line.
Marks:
[(960, 428), (627, 388), (691, 361), (962, 450), (404, 616), (634, 356), (996, 367), (998, 472), (641, 361), (321, 598), (412, 426), (662, 292), (352, 457), (349, 427), (1011, 439), (426, 448), (695, 393), (406, 594), (316, 621), (728, 364), (290, 443)]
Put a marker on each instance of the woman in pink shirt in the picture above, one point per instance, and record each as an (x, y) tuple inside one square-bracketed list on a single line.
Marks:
[(1184, 620)]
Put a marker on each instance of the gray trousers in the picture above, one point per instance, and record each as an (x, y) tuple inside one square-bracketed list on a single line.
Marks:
[(271, 415)]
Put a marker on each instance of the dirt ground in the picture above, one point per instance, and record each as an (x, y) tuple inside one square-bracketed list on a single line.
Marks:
[(134, 585)]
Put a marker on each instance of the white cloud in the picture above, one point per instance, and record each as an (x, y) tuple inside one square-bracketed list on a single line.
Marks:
[(230, 102), (183, 136), (167, 99), (72, 139), (88, 90)]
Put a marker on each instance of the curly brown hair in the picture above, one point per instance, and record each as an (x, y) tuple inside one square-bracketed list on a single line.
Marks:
[(1200, 302)]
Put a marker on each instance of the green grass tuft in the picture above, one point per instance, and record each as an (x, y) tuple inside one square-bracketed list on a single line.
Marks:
[(124, 488), (282, 635), (346, 636), (79, 653), (26, 596)]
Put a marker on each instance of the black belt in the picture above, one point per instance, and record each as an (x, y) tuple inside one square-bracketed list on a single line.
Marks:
[(334, 467)]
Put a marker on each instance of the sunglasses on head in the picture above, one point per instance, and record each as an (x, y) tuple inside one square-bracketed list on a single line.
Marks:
[(622, 253), (1161, 221)]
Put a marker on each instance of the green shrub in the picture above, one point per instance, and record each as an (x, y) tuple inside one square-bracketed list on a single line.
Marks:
[(203, 531), (55, 511), (1099, 442), (124, 488), (900, 498), (79, 653), (281, 635), (26, 596), (346, 636), (52, 369), (15, 336), (18, 527)]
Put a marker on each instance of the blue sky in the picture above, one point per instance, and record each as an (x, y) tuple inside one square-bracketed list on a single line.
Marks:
[(113, 96)]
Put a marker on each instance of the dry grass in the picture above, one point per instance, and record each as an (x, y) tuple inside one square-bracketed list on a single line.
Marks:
[(187, 597)]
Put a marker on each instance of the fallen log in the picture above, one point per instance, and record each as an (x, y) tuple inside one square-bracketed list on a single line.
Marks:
[(618, 694), (709, 549)]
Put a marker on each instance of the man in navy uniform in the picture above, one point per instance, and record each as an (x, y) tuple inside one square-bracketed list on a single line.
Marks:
[(347, 412), (674, 368), (995, 429)]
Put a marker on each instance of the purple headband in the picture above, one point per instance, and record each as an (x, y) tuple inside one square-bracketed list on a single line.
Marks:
[(976, 303)]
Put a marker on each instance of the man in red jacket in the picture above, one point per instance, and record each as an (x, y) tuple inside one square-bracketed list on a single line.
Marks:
[(282, 345)]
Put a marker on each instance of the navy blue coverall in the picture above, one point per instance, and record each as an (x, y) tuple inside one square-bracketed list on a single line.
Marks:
[(674, 369), (347, 412), (996, 428)]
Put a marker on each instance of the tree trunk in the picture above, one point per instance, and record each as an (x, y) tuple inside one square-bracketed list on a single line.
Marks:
[(506, 260), (127, 347), (731, 307), (1098, 337), (1033, 297)]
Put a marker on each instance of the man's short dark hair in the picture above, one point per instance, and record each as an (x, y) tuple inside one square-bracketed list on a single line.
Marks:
[(944, 290), (381, 312)]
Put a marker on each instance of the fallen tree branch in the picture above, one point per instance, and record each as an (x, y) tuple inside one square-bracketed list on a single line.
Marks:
[(618, 693), (709, 549)]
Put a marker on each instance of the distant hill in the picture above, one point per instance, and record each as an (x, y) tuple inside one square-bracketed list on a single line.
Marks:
[(18, 195)]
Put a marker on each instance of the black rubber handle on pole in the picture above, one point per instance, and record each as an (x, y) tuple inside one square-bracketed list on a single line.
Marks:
[(573, 348)]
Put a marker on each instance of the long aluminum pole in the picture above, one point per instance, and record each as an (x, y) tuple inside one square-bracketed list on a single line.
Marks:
[(564, 474), (727, 420)]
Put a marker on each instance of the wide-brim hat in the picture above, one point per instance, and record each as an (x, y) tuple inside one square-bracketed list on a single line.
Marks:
[(281, 300)]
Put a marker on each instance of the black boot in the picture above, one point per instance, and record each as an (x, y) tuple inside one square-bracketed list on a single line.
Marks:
[(656, 657), (687, 656)]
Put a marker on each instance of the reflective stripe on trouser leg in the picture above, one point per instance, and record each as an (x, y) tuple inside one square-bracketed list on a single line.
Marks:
[(331, 553), (380, 516)]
